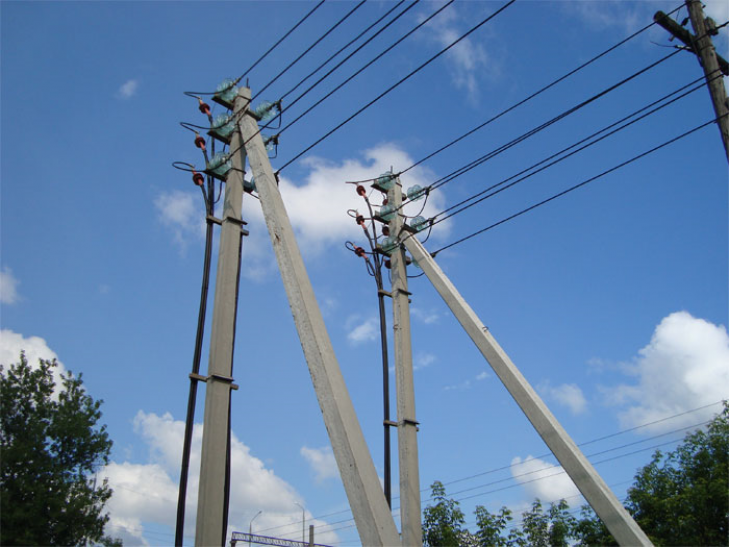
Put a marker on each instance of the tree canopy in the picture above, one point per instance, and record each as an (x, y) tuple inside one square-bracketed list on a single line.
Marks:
[(52, 445), (679, 498)]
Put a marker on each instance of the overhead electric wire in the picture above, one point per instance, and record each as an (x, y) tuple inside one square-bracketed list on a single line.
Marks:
[(359, 48), (292, 103), (344, 47), (312, 46), (535, 94), (577, 186), (399, 82), (480, 196), (274, 46), (490, 471), (482, 159)]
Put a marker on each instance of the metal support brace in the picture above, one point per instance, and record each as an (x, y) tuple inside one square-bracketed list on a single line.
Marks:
[(621, 525)]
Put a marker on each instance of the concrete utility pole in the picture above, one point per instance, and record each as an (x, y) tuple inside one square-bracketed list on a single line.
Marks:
[(212, 494), (714, 65), (407, 442), (369, 507), (583, 474)]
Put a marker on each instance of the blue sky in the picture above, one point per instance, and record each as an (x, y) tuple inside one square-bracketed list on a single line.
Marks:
[(612, 300)]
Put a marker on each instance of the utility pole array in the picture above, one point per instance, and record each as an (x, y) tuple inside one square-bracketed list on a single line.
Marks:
[(713, 64)]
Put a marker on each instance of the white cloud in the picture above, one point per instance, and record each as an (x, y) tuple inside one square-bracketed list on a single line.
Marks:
[(683, 367), (12, 343), (318, 206), (467, 59), (145, 494), (543, 480), (423, 359), (365, 331), (427, 317), (569, 395), (322, 462), (128, 89), (184, 213), (8, 287), (482, 376)]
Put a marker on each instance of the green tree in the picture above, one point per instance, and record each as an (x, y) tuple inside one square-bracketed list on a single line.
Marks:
[(679, 498), (443, 522), (51, 446), (491, 527)]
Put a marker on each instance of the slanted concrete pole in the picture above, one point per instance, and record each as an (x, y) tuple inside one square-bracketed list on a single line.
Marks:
[(705, 50), (583, 474), (369, 507), (407, 442), (211, 505)]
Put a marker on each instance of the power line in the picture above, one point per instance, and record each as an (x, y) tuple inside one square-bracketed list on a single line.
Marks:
[(388, 90), (575, 187), (312, 46), (464, 204), (490, 471), (479, 161), (344, 47), (291, 104), (274, 46), (533, 95)]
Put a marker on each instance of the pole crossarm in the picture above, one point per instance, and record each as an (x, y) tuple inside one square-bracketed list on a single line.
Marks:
[(375, 524), (268, 540), (605, 504)]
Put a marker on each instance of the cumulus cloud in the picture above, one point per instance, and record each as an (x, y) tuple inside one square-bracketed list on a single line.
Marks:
[(569, 395), (128, 89), (322, 462), (8, 287), (683, 367), (12, 343), (542, 480), (318, 206), (145, 494)]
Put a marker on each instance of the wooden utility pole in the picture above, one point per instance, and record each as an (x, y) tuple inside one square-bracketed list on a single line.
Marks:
[(407, 426), (714, 65)]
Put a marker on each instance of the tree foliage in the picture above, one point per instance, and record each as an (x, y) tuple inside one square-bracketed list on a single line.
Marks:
[(680, 498), (51, 446), (443, 522)]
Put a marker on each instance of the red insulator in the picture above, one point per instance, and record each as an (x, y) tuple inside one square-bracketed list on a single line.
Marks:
[(360, 220), (204, 108), (361, 190), (385, 230), (197, 178), (384, 202), (359, 251), (200, 142), (388, 264)]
